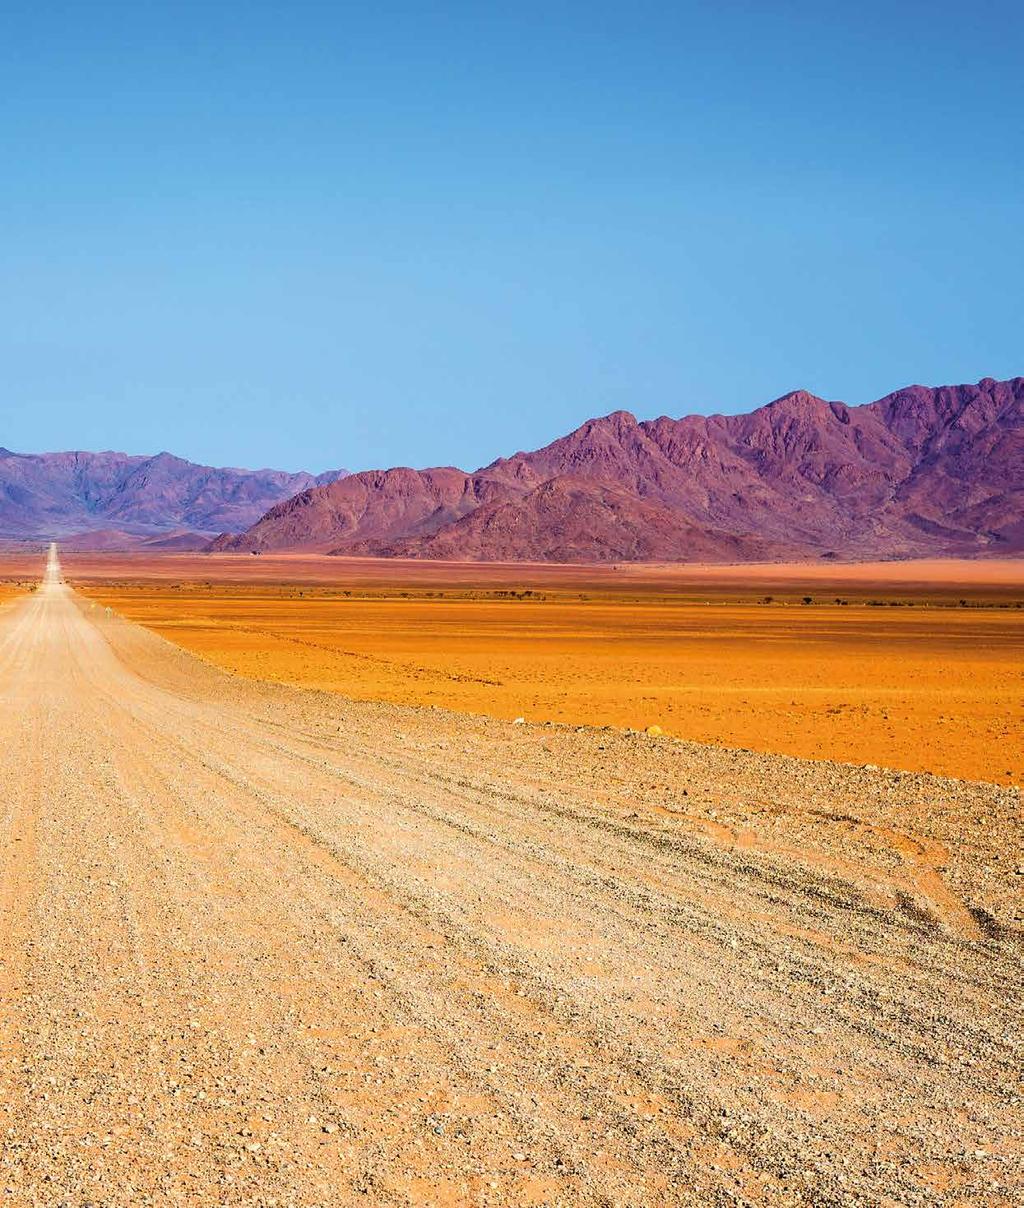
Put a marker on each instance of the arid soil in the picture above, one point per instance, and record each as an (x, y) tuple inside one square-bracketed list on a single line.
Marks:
[(926, 685), (269, 946), (942, 579)]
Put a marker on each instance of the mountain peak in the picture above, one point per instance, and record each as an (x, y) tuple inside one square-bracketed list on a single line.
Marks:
[(794, 400), (614, 421)]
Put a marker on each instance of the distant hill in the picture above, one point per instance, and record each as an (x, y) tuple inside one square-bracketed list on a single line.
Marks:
[(97, 540), (923, 471), (58, 495)]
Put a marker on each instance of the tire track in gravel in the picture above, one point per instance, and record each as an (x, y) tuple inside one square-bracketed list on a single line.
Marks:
[(279, 948)]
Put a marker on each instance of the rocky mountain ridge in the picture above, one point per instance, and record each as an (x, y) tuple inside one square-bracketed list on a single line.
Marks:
[(923, 471), (47, 496)]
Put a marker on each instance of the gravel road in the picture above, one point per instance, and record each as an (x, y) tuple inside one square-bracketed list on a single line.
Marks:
[(263, 946)]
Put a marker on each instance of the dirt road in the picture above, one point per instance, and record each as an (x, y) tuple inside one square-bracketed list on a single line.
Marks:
[(260, 946)]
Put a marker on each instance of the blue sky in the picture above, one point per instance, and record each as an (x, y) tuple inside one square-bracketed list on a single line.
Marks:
[(306, 234)]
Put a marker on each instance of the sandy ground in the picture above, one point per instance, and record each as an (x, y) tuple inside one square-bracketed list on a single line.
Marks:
[(266, 946), (942, 578), (934, 687)]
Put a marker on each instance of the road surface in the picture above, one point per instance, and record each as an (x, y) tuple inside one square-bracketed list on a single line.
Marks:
[(261, 946)]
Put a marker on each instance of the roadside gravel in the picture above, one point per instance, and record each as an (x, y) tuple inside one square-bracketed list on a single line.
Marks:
[(265, 946)]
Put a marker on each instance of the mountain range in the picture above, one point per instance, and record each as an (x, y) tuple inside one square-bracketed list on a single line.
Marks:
[(924, 471), (112, 498)]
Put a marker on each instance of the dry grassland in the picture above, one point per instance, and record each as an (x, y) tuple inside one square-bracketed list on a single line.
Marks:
[(920, 667)]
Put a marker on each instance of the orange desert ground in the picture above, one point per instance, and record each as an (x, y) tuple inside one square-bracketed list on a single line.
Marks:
[(914, 665)]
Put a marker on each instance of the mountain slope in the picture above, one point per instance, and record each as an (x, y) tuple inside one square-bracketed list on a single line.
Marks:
[(577, 519), (47, 495), (925, 470), (366, 512)]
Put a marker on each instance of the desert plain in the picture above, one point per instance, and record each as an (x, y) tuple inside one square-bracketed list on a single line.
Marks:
[(917, 666), (262, 943)]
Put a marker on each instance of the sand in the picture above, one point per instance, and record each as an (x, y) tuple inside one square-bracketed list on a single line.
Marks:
[(899, 675), (263, 946)]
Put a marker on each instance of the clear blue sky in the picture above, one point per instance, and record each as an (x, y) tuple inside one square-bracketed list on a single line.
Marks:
[(306, 234)]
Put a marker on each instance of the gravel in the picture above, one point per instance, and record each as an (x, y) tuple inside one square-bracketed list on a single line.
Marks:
[(263, 946)]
